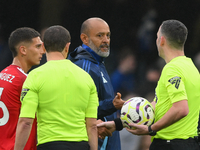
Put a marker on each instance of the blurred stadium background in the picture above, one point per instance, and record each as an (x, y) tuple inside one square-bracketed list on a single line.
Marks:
[(133, 23)]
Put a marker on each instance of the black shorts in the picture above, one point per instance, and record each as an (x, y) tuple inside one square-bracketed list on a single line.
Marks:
[(64, 145), (175, 144)]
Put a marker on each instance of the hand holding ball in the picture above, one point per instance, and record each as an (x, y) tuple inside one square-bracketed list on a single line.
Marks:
[(137, 110)]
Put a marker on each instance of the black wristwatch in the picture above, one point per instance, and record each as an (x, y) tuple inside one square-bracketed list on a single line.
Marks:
[(151, 132)]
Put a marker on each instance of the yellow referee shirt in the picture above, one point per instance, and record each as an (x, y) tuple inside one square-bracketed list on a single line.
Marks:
[(63, 95), (179, 80)]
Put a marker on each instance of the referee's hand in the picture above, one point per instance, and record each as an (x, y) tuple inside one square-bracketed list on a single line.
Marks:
[(105, 128), (138, 129)]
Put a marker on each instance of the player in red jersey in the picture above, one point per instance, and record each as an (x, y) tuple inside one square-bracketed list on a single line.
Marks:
[(26, 47)]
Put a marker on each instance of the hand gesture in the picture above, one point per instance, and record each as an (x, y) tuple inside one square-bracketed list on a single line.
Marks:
[(117, 101)]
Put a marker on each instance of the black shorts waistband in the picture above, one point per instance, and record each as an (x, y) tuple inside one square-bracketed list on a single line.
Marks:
[(175, 140), (63, 143)]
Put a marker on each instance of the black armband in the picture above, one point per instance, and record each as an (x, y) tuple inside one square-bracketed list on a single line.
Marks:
[(118, 124)]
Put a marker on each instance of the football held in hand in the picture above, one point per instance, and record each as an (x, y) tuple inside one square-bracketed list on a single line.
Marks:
[(137, 110)]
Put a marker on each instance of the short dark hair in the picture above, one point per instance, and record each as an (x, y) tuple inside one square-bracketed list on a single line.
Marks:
[(55, 38), (175, 32), (24, 34)]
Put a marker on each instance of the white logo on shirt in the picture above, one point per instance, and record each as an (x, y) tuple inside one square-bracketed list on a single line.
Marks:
[(104, 80)]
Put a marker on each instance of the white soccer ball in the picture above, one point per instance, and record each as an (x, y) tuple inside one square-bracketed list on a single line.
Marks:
[(137, 110)]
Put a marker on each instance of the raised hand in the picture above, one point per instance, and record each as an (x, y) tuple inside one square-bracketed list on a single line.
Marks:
[(117, 101)]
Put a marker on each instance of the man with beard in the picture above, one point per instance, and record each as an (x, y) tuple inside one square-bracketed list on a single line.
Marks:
[(95, 35), (177, 96)]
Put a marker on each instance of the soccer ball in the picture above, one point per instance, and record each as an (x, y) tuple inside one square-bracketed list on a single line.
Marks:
[(137, 110)]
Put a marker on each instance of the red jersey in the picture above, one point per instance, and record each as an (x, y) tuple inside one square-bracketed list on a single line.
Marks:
[(11, 81)]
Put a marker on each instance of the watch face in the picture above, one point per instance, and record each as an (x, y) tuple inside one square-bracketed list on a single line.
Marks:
[(152, 133)]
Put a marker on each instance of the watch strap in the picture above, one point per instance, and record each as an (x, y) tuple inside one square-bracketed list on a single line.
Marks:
[(151, 132)]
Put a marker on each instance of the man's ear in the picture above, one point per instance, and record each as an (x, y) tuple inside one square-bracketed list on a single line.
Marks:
[(84, 38), (162, 40), (22, 50), (66, 50), (67, 47)]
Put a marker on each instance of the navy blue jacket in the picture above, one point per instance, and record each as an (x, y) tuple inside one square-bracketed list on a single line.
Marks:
[(92, 63)]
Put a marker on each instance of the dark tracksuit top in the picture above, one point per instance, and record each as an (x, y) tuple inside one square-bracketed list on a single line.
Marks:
[(93, 64)]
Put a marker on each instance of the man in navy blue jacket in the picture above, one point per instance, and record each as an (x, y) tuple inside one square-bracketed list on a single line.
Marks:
[(95, 35)]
